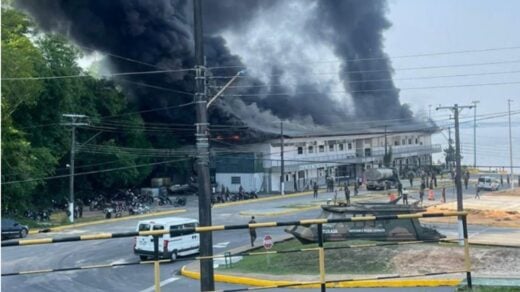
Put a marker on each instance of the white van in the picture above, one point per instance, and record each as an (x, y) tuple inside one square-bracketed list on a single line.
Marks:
[(488, 183), (183, 242)]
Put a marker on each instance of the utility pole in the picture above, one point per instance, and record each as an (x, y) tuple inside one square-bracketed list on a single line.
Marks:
[(282, 170), (450, 142), (475, 102), (207, 282), (512, 179), (386, 142), (458, 171), (463, 228), (75, 120)]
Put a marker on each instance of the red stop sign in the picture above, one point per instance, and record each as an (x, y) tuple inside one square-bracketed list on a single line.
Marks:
[(268, 241)]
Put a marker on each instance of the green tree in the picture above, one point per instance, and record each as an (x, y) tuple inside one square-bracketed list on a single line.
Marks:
[(20, 159), (34, 142)]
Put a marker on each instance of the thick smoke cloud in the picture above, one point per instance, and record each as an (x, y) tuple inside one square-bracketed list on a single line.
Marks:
[(159, 33)]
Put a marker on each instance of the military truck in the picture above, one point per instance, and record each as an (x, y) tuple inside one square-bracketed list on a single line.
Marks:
[(381, 178), (386, 230)]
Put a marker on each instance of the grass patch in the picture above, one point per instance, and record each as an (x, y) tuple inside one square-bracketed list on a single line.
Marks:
[(490, 289), (376, 260)]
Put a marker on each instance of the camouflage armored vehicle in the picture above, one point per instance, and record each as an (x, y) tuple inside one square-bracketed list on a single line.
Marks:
[(388, 230)]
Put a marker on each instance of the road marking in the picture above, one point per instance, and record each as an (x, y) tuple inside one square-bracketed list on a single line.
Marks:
[(163, 283), (221, 244)]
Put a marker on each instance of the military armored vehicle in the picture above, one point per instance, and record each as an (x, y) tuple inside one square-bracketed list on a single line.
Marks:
[(387, 230)]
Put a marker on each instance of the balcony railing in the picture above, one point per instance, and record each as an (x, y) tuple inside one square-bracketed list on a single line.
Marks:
[(327, 159)]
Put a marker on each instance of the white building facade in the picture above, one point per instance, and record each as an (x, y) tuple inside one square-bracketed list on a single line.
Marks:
[(257, 167)]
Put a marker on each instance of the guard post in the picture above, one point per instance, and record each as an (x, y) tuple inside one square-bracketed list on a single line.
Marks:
[(156, 268)]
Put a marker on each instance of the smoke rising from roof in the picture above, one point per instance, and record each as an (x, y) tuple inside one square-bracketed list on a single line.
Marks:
[(300, 56)]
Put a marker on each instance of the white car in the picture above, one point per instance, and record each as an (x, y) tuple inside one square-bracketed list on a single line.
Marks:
[(182, 240), (488, 183)]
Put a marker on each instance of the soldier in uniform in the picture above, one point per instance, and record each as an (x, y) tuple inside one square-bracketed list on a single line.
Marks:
[(252, 231)]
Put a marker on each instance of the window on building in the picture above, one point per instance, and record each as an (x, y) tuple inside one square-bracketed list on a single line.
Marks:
[(368, 152), (322, 148), (416, 141), (300, 150), (331, 147), (235, 180), (403, 142), (396, 143), (341, 147), (311, 149), (349, 146), (410, 141)]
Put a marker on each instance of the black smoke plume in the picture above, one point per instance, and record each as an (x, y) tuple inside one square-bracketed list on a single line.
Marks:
[(160, 33)]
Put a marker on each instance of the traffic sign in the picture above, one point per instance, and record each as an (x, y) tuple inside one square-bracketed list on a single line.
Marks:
[(268, 241)]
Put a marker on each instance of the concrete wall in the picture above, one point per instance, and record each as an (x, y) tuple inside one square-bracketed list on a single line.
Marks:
[(249, 181)]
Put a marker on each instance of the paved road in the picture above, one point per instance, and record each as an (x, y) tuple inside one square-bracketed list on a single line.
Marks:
[(140, 277)]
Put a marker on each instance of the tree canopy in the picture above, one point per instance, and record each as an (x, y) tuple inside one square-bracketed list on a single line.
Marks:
[(35, 142)]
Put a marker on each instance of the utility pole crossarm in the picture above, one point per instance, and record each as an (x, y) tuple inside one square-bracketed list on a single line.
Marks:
[(211, 100)]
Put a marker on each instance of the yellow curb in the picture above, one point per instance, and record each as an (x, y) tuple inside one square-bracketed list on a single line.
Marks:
[(347, 284), (58, 228), (271, 198)]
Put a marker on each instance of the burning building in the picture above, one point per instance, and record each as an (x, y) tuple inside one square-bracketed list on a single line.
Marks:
[(312, 157)]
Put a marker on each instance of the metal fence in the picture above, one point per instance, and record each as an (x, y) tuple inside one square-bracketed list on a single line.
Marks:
[(322, 283)]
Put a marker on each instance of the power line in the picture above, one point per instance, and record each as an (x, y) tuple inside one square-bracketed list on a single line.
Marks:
[(94, 172), (155, 87), (389, 70), (104, 75), (377, 90), (394, 57), (386, 80)]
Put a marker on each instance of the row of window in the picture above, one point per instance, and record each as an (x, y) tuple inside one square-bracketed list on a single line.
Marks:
[(321, 148), (403, 142)]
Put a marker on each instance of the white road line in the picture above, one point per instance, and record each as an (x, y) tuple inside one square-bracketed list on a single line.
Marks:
[(221, 244), (163, 283)]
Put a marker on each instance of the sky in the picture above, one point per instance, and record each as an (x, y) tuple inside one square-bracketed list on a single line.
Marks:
[(421, 27)]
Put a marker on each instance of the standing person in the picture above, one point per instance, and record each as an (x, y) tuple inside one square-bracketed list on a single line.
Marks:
[(347, 195), (410, 178), (443, 194), (508, 180), (399, 189), (315, 188), (356, 188), (421, 192), (80, 208), (252, 231), (405, 197), (466, 179), (434, 176), (477, 194), (227, 194), (501, 180)]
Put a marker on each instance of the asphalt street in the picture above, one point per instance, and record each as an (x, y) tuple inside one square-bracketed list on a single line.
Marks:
[(140, 277)]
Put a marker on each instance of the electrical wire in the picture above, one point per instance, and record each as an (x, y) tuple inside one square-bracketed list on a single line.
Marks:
[(94, 172), (515, 61), (382, 80), (393, 57), (105, 75), (376, 90)]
